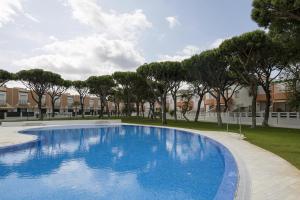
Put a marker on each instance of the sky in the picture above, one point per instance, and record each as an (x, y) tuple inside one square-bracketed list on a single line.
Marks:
[(80, 38)]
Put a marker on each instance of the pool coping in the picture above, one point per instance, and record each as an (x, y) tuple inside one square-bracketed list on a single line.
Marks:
[(262, 174)]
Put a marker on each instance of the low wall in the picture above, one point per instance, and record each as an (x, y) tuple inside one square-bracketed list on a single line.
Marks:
[(276, 119)]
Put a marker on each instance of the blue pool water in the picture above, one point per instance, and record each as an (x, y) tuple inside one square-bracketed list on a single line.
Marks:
[(117, 162)]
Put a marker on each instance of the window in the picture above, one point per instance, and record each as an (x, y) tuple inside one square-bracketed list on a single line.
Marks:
[(57, 102), (23, 98), (44, 99), (92, 103), (281, 87), (237, 94), (2, 98), (70, 101)]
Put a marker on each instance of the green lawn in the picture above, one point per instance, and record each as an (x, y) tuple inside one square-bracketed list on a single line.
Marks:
[(281, 141)]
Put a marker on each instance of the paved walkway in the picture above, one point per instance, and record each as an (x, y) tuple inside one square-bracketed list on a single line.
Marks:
[(263, 175), (10, 136)]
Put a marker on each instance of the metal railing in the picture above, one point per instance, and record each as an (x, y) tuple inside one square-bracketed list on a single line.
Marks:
[(278, 119)]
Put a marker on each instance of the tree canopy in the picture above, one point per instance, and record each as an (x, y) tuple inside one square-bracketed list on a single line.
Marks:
[(257, 60), (82, 89), (125, 80), (195, 79), (282, 18), (38, 82), (160, 77), (5, 76), (215, 74), (58, 86), (102, 87)]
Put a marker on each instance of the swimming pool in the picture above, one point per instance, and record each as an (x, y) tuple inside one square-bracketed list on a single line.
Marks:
[(117, 162)]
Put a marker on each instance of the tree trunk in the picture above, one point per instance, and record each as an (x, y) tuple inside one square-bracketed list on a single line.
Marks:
[(137, 109), (82, 106), (52, 104), (107, 109), (101, 108), (127, 106), (118, 109), (164, 114), (253, 107), (267, 109), (225, 105), (184, 116), (143, 110), (40, 107), (175, 105), (219, 109), (198, 108), (151, 110)]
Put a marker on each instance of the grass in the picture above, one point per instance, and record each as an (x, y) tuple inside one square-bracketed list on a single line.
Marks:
[(281, 141)]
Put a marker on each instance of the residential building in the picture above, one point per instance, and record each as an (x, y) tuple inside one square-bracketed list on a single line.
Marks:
[(17, 101), (242, 100)]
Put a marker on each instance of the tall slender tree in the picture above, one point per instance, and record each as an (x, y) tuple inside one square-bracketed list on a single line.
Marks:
[(159, 76), (58, 87), (216, 75), (179, 75), (186, 97), (38, 82), (139, 90), (195, 80), (82, 89), (116, 98), (125, 81), (102, 87), (256, 60)]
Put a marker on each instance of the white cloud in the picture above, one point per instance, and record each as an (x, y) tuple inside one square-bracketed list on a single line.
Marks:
[(217, 43), (113, 24), (185, 53), (84, 56), (112, 46), (190, 50), (8, 10), (172, 21), (53, 38), (32, 18)]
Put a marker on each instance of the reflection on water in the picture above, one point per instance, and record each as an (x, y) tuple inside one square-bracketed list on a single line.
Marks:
[(122, 162)]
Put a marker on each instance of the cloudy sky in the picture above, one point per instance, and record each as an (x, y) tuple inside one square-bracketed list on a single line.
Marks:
[(79, 38)]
